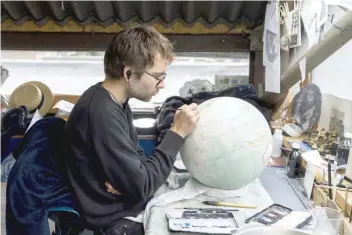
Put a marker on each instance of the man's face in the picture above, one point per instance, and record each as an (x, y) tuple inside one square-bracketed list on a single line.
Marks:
[(150, 82)]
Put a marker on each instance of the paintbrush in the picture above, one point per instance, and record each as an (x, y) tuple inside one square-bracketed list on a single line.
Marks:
[(228, 204)]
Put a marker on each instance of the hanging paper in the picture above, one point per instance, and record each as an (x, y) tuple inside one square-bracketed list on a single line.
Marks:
[(271, 47)]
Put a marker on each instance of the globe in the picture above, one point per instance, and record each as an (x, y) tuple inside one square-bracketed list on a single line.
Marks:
[(230, 146)]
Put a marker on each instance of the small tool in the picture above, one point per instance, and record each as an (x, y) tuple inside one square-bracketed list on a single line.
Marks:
[(208, 209), (227, 204)]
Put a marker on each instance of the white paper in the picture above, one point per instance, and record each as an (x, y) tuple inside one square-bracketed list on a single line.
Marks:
[(272, 80), (344, 3), (36, 117), (64, 106), (294, 22), (314, 158), (314, 15), (309, 179), (309, 18), (179, 165), (271, 48), (271, 35), (285, 33), (271, 20), (323, 14), (302, 67)]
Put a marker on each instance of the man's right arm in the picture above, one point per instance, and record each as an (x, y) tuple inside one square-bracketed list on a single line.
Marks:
[(121, 162)]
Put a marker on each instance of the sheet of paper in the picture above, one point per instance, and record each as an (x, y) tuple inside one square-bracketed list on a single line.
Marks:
[(294, 21), (179, 165), (271, 20), (272, 80), (309, 179), (314, 15), (64, 105), (314, 158), (36, 117), (302, 67), (285, 33), (344, 3), (271, 48), (323, 13), (271, 35), (309, 19)]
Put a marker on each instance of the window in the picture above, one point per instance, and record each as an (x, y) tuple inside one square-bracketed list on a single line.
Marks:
[(73, 72)]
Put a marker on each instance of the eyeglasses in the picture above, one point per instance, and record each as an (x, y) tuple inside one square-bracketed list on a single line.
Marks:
[(160, 79)]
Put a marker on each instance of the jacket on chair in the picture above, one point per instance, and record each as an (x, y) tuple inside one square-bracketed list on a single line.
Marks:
[(37, 182)]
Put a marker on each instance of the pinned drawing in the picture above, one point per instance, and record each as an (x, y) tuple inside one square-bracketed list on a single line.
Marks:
[(294, 18), (314, 15), (271, 47)]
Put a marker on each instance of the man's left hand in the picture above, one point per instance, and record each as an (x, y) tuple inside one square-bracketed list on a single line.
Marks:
[(110, 189)]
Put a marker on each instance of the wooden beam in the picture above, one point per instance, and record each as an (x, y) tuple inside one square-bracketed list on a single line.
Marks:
[(99, 42), (334, 39), (176, 27), (258, 73)]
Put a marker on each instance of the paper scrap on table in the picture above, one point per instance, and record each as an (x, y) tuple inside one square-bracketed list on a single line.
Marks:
[(314, 158), (64, 106), (302, 67)]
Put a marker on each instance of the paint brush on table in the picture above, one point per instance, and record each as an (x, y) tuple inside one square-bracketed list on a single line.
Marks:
[(228, 204)]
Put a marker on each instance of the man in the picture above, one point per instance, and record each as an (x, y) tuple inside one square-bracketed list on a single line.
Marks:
[(110, 176)]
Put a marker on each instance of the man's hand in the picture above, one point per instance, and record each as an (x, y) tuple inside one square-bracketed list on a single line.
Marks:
[(110, 189), (185, 120)]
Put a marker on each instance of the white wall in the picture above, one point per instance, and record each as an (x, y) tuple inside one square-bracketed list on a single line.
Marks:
[(334, 78)]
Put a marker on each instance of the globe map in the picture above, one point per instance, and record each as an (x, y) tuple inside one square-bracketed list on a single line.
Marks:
[(230, 146)]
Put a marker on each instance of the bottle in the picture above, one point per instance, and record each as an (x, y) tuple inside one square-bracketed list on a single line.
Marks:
[(293, 162), (344, 149), (277, 143)]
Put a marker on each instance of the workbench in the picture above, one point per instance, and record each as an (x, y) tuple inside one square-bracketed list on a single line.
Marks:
[(271, 180)]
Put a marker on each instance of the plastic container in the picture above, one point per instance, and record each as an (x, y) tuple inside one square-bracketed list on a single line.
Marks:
[(326, 221), (277, 143)]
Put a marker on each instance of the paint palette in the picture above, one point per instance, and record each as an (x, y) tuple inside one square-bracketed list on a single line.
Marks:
[(205, 220), (277, 215)]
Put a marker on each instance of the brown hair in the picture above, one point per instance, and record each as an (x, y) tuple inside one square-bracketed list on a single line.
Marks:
[(135, 47)]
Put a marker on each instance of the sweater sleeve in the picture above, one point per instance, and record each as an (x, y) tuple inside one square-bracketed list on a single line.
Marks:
[(135, 178)]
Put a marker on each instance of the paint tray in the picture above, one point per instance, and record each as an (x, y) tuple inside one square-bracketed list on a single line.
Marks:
[(202, 220), (280, 216)]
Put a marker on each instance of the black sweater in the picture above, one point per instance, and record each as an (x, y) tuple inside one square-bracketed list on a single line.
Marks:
[(104, 147)]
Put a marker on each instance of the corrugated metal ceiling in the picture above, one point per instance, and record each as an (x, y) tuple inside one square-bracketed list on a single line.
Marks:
[(106, 13)]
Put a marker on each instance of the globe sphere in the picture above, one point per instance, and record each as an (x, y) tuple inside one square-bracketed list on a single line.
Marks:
[(230, 146)]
